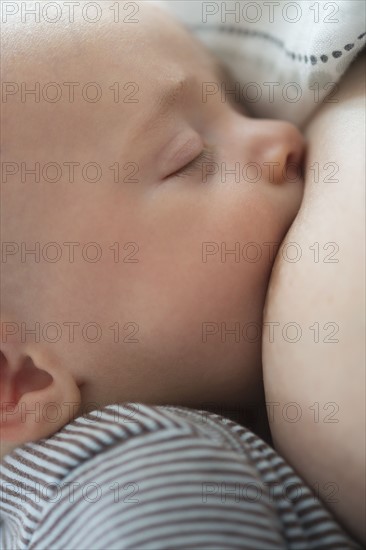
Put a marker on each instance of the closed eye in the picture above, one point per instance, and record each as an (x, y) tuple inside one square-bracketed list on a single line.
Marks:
[(207, 156)]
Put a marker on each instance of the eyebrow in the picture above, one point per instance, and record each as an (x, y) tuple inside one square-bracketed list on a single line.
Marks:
[(175, 93), (167, 99)]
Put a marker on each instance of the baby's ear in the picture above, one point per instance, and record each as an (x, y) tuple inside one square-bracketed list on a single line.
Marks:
[(37, 397)]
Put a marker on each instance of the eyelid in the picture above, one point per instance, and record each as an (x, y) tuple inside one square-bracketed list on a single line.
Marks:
[(207, 155)]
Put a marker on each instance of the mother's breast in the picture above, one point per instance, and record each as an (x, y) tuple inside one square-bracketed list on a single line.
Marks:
[(314, 331)]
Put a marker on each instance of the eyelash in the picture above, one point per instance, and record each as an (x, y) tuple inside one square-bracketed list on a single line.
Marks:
[(207, 155)]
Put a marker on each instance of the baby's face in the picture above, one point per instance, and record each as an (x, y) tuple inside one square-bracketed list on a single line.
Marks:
[(174, 272)]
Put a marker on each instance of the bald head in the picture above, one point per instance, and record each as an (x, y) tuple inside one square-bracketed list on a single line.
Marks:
[(105, 286)]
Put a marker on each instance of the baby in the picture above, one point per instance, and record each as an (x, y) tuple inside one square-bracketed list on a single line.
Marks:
[(141, 215), (156, 179)]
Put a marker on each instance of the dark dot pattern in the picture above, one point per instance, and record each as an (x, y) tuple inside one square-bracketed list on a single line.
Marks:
[(279, 43)]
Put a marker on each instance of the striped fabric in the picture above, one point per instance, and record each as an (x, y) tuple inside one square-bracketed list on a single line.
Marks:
[(157, 477)]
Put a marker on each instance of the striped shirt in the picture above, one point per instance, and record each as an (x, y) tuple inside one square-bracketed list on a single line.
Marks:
[(157, 477)]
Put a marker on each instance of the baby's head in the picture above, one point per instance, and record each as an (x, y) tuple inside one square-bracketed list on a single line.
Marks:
[(139, 276)]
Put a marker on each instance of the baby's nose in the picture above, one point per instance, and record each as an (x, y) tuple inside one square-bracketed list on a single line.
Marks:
[(279, 147)]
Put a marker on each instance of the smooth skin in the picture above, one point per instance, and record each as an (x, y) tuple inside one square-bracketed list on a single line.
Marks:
[(323, 434)]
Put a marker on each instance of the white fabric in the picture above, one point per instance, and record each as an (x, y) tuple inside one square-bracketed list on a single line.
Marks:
[(292, 53)]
